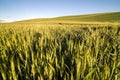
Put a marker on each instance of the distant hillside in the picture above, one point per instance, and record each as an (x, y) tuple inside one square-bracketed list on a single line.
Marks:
[(98, 17)]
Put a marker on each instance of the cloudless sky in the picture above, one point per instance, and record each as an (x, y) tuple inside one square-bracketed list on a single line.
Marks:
[(27, 9)]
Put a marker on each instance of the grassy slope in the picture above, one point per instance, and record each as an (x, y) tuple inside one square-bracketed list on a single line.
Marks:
[(99, 17)]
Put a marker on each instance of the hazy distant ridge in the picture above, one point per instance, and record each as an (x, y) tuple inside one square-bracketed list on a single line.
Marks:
[(1, 21)]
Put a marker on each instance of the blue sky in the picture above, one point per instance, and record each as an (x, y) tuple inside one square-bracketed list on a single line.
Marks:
[(27, 9)]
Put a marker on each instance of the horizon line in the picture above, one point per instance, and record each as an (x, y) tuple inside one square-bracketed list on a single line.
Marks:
[(7, 21)]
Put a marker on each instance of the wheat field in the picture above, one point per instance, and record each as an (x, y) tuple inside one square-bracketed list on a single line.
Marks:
[(59, 51)]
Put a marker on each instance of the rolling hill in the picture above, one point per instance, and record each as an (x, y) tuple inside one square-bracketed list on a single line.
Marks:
[(98, 17)]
